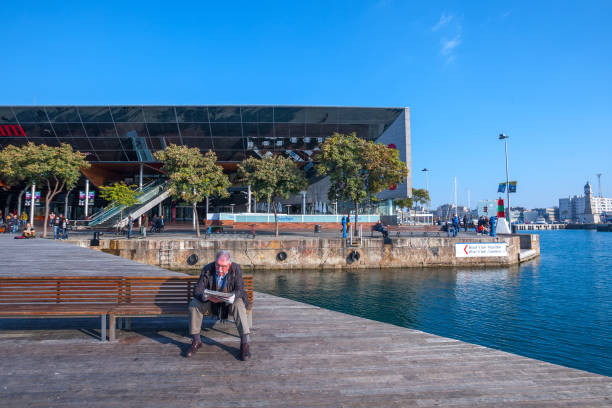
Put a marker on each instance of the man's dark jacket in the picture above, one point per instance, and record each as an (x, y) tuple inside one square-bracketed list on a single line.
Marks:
[(233, 284)]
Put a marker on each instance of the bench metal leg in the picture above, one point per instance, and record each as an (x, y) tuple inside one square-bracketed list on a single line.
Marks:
[(128, 323), (112, 327), (103, 327)]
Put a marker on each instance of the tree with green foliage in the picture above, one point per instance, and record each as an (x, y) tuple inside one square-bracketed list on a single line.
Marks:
[(56, 168), (272, 178), (120, 194), (192, 177), (358, 168), (419, 196)]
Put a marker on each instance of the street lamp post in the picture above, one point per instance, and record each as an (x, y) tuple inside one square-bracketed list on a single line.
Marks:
[(504, 137), (426, 170)]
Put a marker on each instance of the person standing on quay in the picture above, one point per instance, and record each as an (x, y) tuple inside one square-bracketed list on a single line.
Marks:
[(225, 276), (64, 227), (130, 224)]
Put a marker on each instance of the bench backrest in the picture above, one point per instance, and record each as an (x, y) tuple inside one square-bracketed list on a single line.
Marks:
[(54, 290), (113, 289)]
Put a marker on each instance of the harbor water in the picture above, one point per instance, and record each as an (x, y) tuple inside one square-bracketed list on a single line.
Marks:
[(557, 308)]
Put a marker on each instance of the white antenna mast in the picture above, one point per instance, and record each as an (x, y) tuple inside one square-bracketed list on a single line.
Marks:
[(599, 184)]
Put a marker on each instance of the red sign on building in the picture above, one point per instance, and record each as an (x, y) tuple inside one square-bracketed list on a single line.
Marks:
[(11, 130)]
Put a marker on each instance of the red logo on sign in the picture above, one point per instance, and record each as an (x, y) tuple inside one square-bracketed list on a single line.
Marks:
[(11, 130)]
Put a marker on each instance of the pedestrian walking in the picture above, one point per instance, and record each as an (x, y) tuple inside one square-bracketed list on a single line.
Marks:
[(64, 227), (129, 227), (56, 228)]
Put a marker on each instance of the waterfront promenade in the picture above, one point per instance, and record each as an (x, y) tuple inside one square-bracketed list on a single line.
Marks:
[(303, 356)]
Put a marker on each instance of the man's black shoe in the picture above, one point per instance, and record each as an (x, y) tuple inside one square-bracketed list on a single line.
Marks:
[(193, 348), (245, 353)]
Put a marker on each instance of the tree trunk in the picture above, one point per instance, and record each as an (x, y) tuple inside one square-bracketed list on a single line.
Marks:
[(276, 219), (46, 219), (356, 215), (197, 221)]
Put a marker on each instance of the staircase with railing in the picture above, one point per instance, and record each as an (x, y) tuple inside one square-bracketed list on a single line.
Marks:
[(151, 195)]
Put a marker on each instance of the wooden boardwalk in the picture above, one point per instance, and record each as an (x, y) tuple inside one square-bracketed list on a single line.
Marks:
[(303, 356), (36, 257)]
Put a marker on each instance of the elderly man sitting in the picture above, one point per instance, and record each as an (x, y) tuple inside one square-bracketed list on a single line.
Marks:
[(224, 276)]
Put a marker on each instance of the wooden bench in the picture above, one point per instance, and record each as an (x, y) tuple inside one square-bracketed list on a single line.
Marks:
[(112, 297), (53, 296), (155, 296)]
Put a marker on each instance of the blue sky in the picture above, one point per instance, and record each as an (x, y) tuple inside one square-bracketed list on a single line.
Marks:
[(537, 71)]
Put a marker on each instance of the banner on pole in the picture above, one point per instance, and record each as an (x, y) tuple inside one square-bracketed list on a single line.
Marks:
[(512, 187), (501, 188)]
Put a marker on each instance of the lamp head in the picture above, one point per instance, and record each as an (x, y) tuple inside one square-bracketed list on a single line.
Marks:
[(502, 136)]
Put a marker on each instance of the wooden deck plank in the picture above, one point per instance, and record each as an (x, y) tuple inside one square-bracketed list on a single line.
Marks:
[(33, 257)]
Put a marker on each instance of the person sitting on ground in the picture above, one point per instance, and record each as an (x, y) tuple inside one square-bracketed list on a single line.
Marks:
[(225, 276), (28, 231)]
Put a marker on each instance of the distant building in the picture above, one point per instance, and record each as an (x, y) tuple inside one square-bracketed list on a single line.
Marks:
[(551, 215), (487, 208), (586, 208), (447, 211), (530, 216)]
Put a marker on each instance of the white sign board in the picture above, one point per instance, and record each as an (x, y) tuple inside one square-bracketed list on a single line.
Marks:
[(472, 250)]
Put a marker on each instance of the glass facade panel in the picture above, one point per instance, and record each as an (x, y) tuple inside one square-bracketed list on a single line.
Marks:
[(7, 115), (226, 129), (257, 114), (162, 114), (95, 114), (163, 130), (112, 156), (192, 113), (63, 114), (230, 155), (224, 113), (195, 129), (203, 143), (321, 115), (30, 115), (289, 130), (38, 130), (103, 143), (228, 143), (77, 143), (289, 115), (76, 129), (131, 129), (127, 114), (95, 130)]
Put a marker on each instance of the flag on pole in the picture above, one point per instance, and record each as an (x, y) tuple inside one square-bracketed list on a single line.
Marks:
[(501, 188), (512, 187)]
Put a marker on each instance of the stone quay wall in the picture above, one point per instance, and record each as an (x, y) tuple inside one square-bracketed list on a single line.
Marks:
[(314, 253)]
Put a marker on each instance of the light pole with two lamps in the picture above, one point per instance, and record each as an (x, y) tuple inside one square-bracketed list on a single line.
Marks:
[(504, 137)]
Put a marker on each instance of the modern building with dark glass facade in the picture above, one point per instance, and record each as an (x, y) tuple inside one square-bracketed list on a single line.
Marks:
[(118, 140)]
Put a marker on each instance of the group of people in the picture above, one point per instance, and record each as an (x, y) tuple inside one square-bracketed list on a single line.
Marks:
[(486, 225), (156, 224), (11, 223), (60, 226)]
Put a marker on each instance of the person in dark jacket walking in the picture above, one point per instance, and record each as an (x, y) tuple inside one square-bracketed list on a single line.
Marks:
[(223, 275)]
